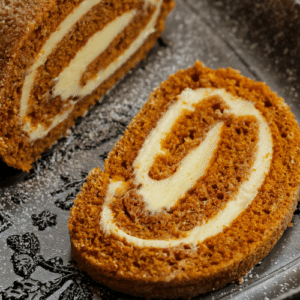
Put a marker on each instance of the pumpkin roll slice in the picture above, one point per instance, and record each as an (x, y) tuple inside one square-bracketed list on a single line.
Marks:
[(198, 190), (57, 58)]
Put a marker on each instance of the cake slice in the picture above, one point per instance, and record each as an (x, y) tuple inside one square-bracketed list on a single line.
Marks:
[(57, 58), (198, 190)]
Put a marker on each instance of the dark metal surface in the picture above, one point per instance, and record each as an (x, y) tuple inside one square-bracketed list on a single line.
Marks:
[(259, 38)]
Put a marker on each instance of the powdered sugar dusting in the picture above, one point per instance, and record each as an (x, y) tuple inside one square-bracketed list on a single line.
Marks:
[(58, 176), (17, 19)]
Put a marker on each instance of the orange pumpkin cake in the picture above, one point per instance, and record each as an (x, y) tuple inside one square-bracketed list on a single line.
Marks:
[(57, 58), (198, 190)]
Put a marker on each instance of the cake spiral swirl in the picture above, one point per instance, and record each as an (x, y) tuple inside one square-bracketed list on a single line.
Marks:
[(197, 191)]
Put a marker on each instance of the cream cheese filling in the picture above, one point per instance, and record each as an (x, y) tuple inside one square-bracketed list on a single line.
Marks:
[(165, 193), (68, 81)]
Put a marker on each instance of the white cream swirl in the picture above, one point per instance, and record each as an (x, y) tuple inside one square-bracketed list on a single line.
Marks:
[(165, 193)]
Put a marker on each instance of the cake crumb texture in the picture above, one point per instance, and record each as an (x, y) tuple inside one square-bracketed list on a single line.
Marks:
[(186, 271)]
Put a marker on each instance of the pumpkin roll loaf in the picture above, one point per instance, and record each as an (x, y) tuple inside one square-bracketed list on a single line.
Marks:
[(198, 190), (58, 57)]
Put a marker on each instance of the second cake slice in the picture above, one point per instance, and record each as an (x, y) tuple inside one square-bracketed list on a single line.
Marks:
[(197, 191)]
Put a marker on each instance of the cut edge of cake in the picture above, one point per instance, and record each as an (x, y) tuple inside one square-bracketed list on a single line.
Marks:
[(262, 223), (27, 131)]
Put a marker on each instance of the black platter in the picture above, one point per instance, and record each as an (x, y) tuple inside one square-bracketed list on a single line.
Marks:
[(259, 38)]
